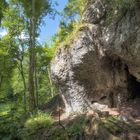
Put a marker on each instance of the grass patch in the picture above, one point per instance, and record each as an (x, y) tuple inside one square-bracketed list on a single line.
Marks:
[(77, 125), (21, 126), (38, 120), (73, 128)]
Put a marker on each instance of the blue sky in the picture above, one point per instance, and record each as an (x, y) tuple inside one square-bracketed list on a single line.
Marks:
[(51, 25)]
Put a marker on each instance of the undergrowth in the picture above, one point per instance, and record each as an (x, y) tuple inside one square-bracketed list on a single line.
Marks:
[(115, 126), (78, 125), (73, 128), (22, 127), (38, 120)]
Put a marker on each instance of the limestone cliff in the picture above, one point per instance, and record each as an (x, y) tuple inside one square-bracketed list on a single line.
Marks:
[(102, 62)]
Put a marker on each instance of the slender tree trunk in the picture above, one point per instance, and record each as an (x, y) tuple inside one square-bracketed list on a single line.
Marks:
[(32, 61), (24, 84), (31, 73), (50, 80), (21, 70), (34, 48), (36, 82), (1, 80), (21, 59)]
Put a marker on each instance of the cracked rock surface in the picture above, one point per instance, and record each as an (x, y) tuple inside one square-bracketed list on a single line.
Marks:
[(102, 64)]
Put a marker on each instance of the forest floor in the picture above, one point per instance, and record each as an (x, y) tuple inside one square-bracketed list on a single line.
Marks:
[(112, 123), (130, 111)]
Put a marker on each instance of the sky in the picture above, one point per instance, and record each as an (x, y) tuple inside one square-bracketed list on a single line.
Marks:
[(51, 25)]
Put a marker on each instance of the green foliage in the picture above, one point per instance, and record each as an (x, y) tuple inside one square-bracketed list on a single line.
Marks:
[(5, 108), (64, 32), (74, 8), (16, 125), (115, 126), (74, 127), (110, 124), (14, 59), (78, 125), (41, 7), (70, 22), (3, 5), (10, 124), (72, 35), (16, 82), (44, 57), (14, 49), (7, 65), (13, 18), (37, 121), (59, 134)]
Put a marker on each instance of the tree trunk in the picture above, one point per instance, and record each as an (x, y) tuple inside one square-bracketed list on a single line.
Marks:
[(36, 82), (1, 80), (23, 79), (32, 61), (31, 73), (50, 80)]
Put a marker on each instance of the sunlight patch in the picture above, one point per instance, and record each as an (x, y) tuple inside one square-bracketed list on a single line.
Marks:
[(3, 33)]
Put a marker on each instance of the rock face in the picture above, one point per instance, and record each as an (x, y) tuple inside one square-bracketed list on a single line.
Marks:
[(102, 63)]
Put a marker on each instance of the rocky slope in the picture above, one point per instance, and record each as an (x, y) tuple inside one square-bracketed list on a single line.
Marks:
[(102, 62)]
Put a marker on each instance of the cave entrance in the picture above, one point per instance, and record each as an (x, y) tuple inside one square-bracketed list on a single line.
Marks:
[(133, 87)]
